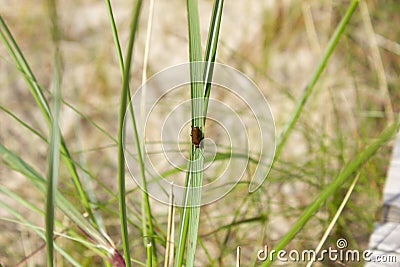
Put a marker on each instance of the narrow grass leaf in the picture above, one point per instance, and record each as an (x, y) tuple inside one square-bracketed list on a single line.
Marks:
[(122, 110), (54, 146), (314, 78), (211, 50), (24, 124), (147, 217), (149, 254), (115, 35), (169, 243)]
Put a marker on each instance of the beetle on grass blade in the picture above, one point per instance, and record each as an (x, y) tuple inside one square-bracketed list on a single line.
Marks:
[(197, 136)]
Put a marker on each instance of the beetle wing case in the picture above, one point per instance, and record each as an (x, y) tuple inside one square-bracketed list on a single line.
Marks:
[(197, 136)]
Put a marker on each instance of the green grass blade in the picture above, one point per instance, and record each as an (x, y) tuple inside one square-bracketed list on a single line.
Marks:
[(147, 218), (183, 228), (314, 78), (16, 163), (208, 255), (346, 172), (54, 146), (115, 35), (211, 50), (149, 254), (145, 203), (169, 242), (195, 51), (195, 179), (92, 122), (24, 124), (19, 59), (194, 210), (123, 106), (22, 200), (233, 222)]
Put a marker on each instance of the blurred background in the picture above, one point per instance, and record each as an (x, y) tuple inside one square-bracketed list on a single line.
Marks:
[(278, 44)]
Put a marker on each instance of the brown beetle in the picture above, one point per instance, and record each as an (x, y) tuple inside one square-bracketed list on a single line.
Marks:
[(197, 136)]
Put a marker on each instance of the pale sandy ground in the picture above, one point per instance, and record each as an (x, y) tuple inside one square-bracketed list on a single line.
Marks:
[(276, 43)]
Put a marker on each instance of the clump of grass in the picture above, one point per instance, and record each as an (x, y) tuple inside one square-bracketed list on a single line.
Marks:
[(333, 154)]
